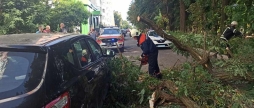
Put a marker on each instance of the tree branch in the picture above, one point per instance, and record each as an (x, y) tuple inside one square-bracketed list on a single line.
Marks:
[(174, 89)]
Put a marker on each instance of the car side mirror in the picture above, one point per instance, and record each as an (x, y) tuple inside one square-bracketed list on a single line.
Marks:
[(110, 53)]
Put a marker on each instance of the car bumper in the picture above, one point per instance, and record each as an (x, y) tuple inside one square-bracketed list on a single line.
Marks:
[(166, 44), (111, 46)]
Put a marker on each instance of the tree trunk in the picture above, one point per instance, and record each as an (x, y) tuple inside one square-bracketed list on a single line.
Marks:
[(223, 15), (182, 15), (174, 89)]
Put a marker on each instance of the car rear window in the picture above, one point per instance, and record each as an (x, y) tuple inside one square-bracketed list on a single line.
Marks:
[(111, 31), (20, 72)]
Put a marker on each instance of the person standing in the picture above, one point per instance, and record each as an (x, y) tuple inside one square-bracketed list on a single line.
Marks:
[(151, 51), (62, 28), (93, 34), (40, 29), (229, 33), (47, 30)]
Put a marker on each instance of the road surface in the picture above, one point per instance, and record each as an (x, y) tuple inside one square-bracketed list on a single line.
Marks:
[(166, 58)]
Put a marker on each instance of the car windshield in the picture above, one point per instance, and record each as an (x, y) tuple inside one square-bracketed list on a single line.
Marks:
[(153, 33), (111, 31), (20, 72)]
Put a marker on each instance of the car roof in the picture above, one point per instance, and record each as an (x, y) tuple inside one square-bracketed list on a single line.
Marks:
[(40, 39)]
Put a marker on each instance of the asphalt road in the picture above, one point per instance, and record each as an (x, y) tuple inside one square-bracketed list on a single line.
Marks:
[(166, 58)]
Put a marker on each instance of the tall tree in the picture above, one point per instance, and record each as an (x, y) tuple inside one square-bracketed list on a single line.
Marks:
[(182, 15), (125, 24), (18, 16), (68, 12), (223, 14), (118, 18), (23, 16)]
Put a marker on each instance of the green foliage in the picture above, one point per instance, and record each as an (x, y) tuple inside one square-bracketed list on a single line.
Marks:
[(210, 18), (210, 15), (68, 12), (208, 92), (130, 87), (160, 20), (242, 11), (169, 10), (122, 86), (241, 64), (24, 16), (127, 88), (17, 16), (125, 24)]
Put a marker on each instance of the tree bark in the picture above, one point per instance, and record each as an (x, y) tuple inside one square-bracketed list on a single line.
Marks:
[(173, 89), (182, 15), (223, 15), (166, 97)]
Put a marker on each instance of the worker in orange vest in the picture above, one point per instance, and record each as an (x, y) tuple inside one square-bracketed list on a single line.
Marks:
[(151, 51)]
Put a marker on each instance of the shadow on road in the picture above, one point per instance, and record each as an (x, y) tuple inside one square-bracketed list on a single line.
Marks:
[(164, 48)]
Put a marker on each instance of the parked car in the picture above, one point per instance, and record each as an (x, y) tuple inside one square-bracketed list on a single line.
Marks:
[(110, 38), (158, 40), (52, 71)]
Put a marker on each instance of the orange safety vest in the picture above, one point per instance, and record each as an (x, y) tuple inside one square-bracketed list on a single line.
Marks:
[(83, 59), (142, 38)]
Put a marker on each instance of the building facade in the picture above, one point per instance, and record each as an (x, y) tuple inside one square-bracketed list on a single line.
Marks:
[(93, 20), (102, 14), (107, 13)]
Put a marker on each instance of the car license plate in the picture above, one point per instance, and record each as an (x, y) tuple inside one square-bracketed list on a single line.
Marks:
[(110, 44), (161, 46)]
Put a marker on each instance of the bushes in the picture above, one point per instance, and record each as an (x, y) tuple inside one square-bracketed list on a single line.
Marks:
[(127, 89)]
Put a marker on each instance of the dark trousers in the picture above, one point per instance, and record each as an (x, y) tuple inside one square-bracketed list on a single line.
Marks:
[(153, 63)]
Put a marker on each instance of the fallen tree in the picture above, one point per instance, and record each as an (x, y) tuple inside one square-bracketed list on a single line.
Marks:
[(201, 58)]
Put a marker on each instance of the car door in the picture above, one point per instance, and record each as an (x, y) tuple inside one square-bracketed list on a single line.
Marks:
[(85, 70), (101, 72)]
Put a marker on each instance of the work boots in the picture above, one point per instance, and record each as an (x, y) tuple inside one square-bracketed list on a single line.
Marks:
[(157, 75)]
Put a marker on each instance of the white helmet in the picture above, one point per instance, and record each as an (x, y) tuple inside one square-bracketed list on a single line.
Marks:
[(234, 23), (84, 52)]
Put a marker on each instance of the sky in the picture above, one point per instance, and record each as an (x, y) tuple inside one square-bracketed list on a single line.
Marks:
[(122, 6)]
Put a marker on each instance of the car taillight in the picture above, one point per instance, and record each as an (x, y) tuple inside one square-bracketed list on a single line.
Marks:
[(62, 101), (98, 40)]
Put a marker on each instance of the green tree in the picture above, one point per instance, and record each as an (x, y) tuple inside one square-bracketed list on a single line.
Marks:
[(68, 12), (195, 15), (118, 19), (24, 16), (125, 25), (208, 81), (19, 16)]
